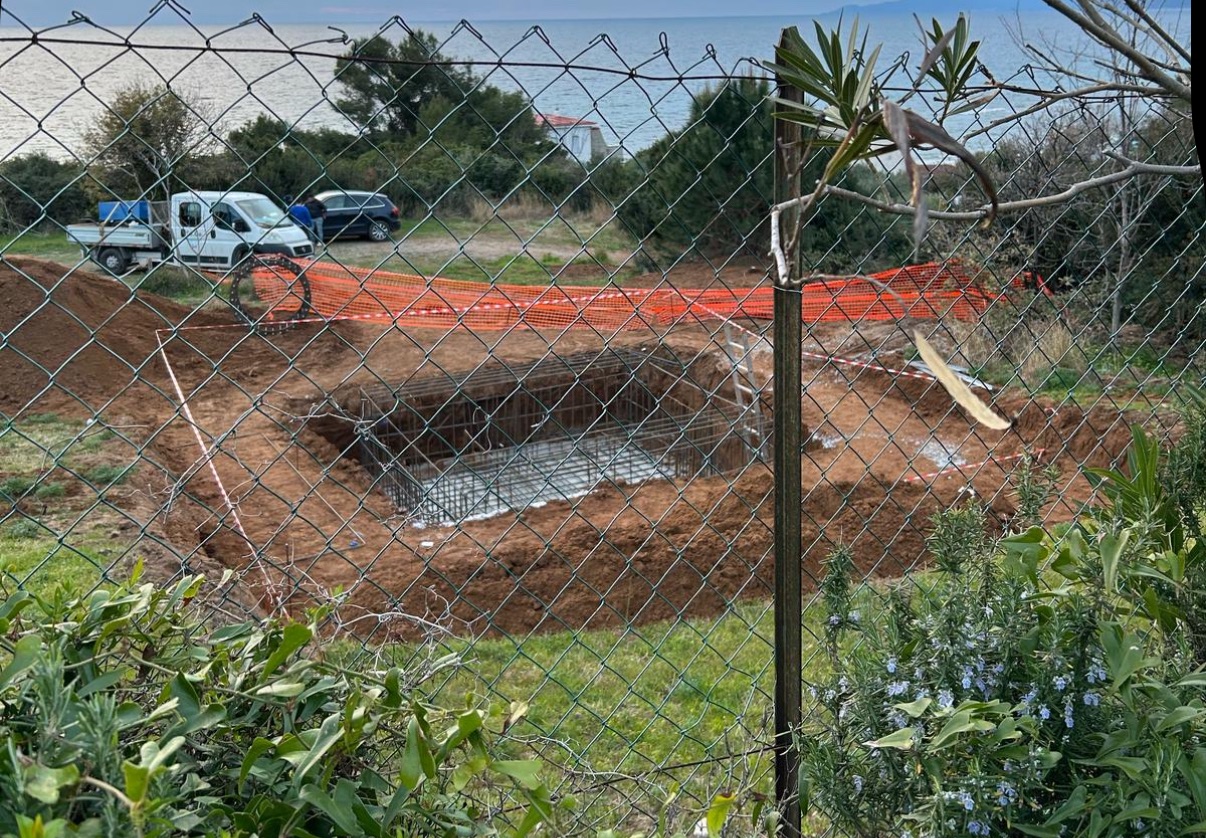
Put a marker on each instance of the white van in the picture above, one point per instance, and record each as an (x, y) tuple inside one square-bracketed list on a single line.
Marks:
[(210, 230)]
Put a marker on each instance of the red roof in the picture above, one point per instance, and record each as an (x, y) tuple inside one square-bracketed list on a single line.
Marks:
[(557, 121)]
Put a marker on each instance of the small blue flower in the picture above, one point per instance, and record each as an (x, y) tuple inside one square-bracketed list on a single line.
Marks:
[(1139, 825), (1029, 697), (1068, 722), (892, 665), (1044, 713), (967, 801), (1061, 683), (897, 688), (977, 828), (967, 677), (858, 784), (945, 699), (1092, 699), (835, 620)]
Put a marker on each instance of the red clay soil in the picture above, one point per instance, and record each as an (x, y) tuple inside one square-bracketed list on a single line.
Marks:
[(299, 521)]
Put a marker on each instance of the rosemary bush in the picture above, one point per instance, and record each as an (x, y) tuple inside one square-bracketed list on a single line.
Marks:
[(1045, 684)]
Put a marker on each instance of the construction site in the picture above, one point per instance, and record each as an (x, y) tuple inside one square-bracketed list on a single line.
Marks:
[(519, 458)]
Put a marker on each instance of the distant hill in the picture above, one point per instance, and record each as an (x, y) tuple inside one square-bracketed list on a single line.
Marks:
[(948, 8), (939, 8)]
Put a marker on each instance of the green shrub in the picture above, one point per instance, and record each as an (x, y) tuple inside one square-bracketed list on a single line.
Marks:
[(36, 188), (13, 488), (1046, 687), (126, 713), (102, 477), (50, 491), (24, 528)]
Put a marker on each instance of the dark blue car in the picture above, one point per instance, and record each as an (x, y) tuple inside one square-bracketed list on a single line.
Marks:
[(350, 213)]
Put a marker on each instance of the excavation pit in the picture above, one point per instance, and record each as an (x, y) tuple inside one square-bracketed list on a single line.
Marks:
[(449, 448)]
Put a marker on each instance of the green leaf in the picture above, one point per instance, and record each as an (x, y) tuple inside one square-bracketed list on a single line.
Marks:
[(14, 604), (340, 812), (393, 690), (1194, 772), (282, 689), (1073, 807), (523, 771), (138, 780), (901, 740), (540, 809), (961, 722), (43, 784), (1111, 548), (328, 734), (1196, 679), (1178, 717), (259, 747), (718, 812), (101, 683), (915, 708), (25, 654), (188, 702), (293, 638), (394, 807), (410, 772)]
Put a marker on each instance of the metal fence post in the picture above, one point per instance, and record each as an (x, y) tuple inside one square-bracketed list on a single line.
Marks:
[(787, 544)]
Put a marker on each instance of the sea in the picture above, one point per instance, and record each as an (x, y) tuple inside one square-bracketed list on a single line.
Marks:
[(637, 79)]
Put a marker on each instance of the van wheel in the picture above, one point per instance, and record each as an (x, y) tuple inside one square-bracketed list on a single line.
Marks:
[(239, 256), (378, 231), (113, 260)]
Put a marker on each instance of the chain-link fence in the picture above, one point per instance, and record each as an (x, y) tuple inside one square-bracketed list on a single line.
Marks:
[(500, 380)]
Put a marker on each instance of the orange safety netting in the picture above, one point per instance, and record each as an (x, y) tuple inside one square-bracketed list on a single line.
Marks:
[(337, 292)]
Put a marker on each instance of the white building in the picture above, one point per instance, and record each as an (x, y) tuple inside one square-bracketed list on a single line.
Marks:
[(581, 138)]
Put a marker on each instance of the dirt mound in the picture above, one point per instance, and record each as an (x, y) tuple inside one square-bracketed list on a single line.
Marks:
[(1097, 437), (72, 341)]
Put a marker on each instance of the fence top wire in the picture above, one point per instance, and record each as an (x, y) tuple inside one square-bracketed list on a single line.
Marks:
[(650, 599)]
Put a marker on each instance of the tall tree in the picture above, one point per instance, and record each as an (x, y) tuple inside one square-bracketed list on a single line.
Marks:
[(145, 140), (389, 83)]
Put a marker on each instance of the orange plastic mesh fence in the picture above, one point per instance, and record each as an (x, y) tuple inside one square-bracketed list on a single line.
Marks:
[(924, 291)]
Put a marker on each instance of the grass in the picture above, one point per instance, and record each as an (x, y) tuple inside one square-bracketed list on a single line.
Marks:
[(633, 700), (36, 559), (104, 476), (41, 244), (184, 285)]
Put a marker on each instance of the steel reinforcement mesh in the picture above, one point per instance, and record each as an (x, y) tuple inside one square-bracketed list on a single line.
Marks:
[(330, 433)]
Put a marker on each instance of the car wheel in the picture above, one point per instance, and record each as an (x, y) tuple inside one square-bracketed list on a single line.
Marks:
[(378, 231), (113, 260)]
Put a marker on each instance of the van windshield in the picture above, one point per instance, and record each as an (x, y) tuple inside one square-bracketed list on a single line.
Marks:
[(262, 212)]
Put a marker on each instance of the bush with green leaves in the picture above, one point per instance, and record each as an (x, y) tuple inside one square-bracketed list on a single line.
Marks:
[(36, 188), (127, 713), (1044, 685), (708, 188)]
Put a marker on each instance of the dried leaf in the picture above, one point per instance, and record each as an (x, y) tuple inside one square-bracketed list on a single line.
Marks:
[(921, 130), (934, 53), (958, 391), (896, 122)]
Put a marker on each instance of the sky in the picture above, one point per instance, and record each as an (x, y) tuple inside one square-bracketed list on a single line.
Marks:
[(42, 12)]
